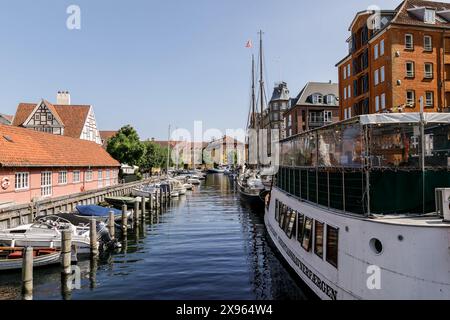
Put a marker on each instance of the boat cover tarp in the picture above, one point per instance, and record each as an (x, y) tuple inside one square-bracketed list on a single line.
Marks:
[(96, 211)]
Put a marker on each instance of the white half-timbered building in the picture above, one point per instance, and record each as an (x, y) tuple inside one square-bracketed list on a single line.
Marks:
[(63, 118)]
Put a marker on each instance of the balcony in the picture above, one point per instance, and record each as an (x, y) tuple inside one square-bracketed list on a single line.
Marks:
[(318, 122)]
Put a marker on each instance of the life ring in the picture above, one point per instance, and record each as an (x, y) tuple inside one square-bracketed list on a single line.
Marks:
[(82, 189), (5, 183)]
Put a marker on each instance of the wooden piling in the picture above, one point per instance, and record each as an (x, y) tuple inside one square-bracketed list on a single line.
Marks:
[(27, 273), (112, 225), (66, 252), (150, 202), (143, 201), (93, 238), (124, 220), (136, 213)]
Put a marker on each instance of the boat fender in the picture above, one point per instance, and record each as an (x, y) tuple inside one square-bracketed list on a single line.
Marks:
[(5, 183)]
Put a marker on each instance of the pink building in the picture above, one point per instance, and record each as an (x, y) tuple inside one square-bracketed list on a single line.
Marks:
[(36, 165)]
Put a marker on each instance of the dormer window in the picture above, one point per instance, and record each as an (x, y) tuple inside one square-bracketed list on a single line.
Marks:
[(317, 98), (331, 99), (430, 16)]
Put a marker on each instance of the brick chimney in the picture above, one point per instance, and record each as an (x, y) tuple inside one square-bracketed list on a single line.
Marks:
[(63, 98)]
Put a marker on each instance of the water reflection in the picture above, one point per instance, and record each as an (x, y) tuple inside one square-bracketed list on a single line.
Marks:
[(206, 245)]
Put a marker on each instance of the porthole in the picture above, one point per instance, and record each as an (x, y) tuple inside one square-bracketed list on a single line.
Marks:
[(376, 246), (400, 238)]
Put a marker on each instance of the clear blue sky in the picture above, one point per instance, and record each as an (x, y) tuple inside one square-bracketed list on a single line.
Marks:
[(150, 63)]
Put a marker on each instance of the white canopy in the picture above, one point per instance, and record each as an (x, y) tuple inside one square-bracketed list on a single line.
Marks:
[(411, 117)]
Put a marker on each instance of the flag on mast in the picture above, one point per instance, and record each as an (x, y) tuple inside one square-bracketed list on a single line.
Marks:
[(249, 44)]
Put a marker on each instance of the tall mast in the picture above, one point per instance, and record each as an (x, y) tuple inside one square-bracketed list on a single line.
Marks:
[(253, 93), (261, 78), (168, 152)]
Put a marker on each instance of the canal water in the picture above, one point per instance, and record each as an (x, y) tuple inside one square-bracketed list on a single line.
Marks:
[(206, 245)]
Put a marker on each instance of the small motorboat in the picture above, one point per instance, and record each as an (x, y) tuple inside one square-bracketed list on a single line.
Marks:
[(188, 186), (194, 181), (145, 191), (216, 170), (118, 202), (177, 187), (100, 213), (11, 258), (174, 194), (46, 231)]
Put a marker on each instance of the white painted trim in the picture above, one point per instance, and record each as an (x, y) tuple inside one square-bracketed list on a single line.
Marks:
[(34, 111)]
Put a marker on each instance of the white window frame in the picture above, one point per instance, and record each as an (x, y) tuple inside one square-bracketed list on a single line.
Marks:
[(22, 181), (100, 178), (410, 101), (429, 46), (107, 178), (345, 72), (89, 176), (383, 101), (376, 77), (74, 174), (382, 48), (377, 103), (328, 116), (429, 16), (409, 46), (348, 71), (382, 74), (46, 183), (345, 93), (429, 102), (349, 112), (62, 177), (330, 99), (428, 74), (345, 114), (317, 98), (410, 74), (375, 51), (349, 91)]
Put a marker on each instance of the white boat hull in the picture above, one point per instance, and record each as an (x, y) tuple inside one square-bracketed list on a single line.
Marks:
[(414, 262), (20, 240), (45, 260)]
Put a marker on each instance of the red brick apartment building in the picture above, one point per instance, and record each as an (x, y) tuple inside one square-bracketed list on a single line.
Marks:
[(397, 58)]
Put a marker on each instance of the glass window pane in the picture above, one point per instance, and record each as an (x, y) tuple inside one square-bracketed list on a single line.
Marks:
[(307, 229), (332, 245), (318, 238), (300, 224)]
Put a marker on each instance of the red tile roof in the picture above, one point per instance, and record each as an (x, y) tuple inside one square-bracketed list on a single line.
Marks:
[(72, 117), (105, 135), (28, 148)]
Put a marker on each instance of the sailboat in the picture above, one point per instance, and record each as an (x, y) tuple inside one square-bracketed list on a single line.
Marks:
[(250, 185)]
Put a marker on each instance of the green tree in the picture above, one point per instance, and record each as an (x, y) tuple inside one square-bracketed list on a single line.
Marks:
[(154, 156), (126, 146)]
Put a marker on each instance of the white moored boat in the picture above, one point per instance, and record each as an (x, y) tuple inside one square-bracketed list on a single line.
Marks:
[(194, 181), (350, 214), (12, 258), (46, 233)]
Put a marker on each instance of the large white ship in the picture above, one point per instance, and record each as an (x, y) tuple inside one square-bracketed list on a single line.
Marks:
[(354, 210)]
